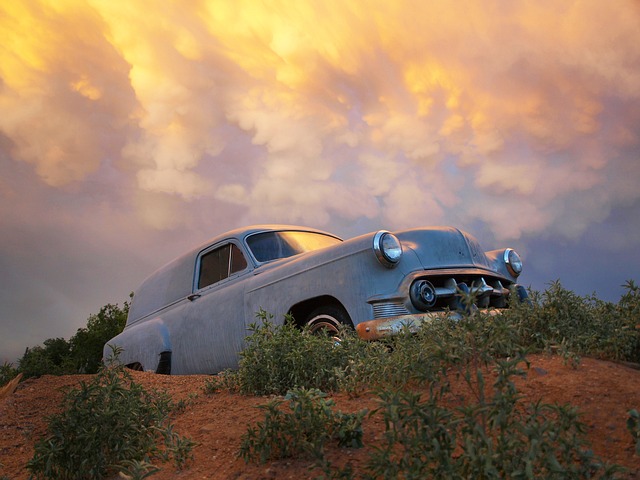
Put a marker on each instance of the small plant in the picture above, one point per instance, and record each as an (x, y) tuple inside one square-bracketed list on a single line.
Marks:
[(561, 319), (211, 386), (633, 425), (280, 357), (106, 426), (304, 429), (181, 405), (7, 373), (180, 448), (496, 437), (226, 380), (137, 469)]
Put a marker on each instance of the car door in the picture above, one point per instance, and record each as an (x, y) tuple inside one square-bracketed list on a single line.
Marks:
[(213, 330)]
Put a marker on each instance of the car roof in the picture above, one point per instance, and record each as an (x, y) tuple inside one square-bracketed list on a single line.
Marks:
[(174, 280), (244, 232)]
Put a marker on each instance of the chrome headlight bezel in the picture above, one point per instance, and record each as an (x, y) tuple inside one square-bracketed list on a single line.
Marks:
[(513, 262), (387, 248)]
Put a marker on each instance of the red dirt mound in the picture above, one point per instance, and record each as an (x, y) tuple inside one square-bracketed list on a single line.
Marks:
[(604, 392)]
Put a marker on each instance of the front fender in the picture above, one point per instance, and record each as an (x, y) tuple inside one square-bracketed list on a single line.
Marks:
[(141, 343)]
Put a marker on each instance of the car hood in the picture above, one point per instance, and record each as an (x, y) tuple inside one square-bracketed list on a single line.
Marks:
[(433, 247), (444, 247)]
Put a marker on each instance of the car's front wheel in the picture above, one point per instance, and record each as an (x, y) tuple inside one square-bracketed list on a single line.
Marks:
[(328, 320)]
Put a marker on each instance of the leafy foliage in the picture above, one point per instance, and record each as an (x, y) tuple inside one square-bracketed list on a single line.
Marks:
[(305, 429), (560, 319), (7, 373), (280, 357), (87, 344), (82, 353), (51, 358), (109, 424), (226, 380), (495, 435), (112, 425), (633, 425)]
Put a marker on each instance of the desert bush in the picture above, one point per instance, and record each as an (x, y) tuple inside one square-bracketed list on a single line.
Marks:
[(226, 380), (633, 425), (281, 357), (495, 434), (495, 437), (7, 373), (628, 310), (52, 358), (86, 346), (304, 429), (575, 325), (589, 326), (82, 353), (105, 425)]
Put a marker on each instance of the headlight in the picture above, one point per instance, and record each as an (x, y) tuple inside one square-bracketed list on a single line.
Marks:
[(388, 248), (513, 261)]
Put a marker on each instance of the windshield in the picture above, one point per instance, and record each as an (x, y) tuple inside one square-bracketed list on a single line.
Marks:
[(269, 246)]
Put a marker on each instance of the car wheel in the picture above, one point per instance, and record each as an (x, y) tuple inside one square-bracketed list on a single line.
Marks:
[(327, 320)]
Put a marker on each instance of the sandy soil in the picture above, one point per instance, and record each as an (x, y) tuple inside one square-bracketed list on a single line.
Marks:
[(603, 391)]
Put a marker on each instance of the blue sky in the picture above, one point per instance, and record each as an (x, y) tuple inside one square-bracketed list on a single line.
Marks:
[(126, 138)]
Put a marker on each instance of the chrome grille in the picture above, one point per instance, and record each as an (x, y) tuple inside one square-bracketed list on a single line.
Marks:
[(488, 291), (389, 309)]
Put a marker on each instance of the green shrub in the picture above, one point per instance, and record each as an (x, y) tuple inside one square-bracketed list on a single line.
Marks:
[(496, 437), (633, 425), (226, 380), (7, 373), (304, 429), (106, 424), (82, 353), (137, 470), (558, 319), (628, 310), (280, 357), (86, 346), (52, 358)]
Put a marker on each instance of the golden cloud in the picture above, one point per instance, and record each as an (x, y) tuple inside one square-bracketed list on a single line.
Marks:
[(410, 112)]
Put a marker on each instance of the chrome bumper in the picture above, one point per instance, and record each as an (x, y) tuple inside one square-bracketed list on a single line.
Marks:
[(388, 327)]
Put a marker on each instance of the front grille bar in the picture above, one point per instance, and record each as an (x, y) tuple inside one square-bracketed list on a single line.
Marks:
[(449, 292)]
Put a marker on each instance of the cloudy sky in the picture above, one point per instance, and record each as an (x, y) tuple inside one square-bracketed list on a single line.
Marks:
[(131, 131)]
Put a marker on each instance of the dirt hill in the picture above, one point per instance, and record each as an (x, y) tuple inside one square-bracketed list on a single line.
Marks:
[(603, 391)]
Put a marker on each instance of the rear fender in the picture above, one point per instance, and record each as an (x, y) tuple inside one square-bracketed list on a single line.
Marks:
[(143, 343)]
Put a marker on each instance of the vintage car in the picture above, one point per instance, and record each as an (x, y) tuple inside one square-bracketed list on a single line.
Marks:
[(192, 315)]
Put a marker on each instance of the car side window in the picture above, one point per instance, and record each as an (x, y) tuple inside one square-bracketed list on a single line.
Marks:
[(237, 263), (218, 264)]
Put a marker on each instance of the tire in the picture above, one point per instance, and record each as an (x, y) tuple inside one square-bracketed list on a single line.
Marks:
[(328, 320)]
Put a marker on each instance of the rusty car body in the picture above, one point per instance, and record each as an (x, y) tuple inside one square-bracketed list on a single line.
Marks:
[(192, 315)]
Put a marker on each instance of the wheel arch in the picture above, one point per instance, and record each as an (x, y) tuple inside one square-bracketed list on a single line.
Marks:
[(145, 346), (300, 311)]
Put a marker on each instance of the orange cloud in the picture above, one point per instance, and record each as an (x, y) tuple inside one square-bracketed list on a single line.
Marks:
[(403, 112)]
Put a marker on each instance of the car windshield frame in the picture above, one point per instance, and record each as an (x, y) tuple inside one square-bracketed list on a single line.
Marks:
[(272, 245)]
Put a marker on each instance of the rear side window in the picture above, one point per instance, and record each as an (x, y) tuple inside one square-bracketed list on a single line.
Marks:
[(218, 264)]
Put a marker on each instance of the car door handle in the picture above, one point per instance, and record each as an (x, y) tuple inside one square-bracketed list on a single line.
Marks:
[(193, 296)]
